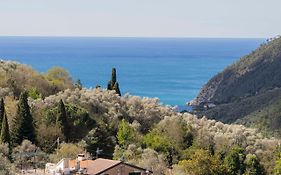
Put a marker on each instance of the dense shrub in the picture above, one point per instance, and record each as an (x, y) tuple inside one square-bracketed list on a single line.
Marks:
[(15, 77), (137, 130)]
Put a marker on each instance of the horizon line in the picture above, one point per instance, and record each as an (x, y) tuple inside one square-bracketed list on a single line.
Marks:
[(140, 37)]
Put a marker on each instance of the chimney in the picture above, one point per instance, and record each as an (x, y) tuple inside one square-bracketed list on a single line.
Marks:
[(80, 157)]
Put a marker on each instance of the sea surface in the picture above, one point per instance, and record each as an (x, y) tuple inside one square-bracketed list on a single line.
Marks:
[(171, 69)]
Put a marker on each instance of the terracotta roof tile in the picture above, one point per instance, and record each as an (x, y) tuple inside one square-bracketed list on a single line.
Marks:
[(83, 163), (99, 165)]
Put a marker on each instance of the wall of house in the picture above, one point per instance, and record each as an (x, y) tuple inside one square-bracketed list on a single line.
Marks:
[(123, 169), (62, 166)]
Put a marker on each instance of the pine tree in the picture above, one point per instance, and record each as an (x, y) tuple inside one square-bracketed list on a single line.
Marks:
[(23, 127), (62, 119), (113, 84), (2, 112)]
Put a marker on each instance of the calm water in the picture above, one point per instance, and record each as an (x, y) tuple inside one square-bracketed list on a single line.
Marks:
[(173, 70)]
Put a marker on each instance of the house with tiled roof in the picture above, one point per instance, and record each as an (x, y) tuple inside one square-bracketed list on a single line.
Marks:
[(97, 167)]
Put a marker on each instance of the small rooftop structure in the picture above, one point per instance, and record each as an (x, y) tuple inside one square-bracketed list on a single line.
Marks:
[(81, 157)]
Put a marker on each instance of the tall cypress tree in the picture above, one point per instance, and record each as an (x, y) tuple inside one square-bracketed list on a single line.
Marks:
[(62, 119), (23, 127), (5, 133), (109, 85), (113, 84), (113, 76), (2, 111), (116, 88)]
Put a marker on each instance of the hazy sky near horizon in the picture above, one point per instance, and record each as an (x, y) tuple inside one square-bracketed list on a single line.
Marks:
[(141, 18)]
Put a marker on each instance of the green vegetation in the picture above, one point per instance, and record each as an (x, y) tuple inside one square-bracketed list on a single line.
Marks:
[(138, 130), (247, 92), (15, 78), (71, 122), (126, 134), (2, 112), (113, 84), (34, 93), (234, 161), (68, 150), (25, 154), (61, 120), (6, 167), (59, 77), (5, 137), (253, 166), (201, 162), (23, 124), (5, 131), (277, 168), (78, 84)]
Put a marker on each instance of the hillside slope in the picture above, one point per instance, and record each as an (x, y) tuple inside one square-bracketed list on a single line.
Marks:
[(246, 89), (141, 131), (16, 77)]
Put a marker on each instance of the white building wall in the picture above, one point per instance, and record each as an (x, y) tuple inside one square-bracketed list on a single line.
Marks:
[(62, 167)]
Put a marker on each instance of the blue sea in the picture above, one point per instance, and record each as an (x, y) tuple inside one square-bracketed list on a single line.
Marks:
[(171, 69)]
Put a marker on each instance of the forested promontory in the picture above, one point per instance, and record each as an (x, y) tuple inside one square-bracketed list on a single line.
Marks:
[(247, 92)]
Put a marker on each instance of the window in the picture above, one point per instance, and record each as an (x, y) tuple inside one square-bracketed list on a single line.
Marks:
[(135, 173)]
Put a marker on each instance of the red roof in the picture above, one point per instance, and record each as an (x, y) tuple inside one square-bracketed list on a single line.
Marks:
[(83, 163), (99, 165)]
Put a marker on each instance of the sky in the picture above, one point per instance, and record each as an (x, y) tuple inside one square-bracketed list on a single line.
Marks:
[(141, 18)]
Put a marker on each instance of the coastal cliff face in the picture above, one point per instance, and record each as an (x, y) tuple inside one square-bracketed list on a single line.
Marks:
[(255, 73), (241, 90)]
